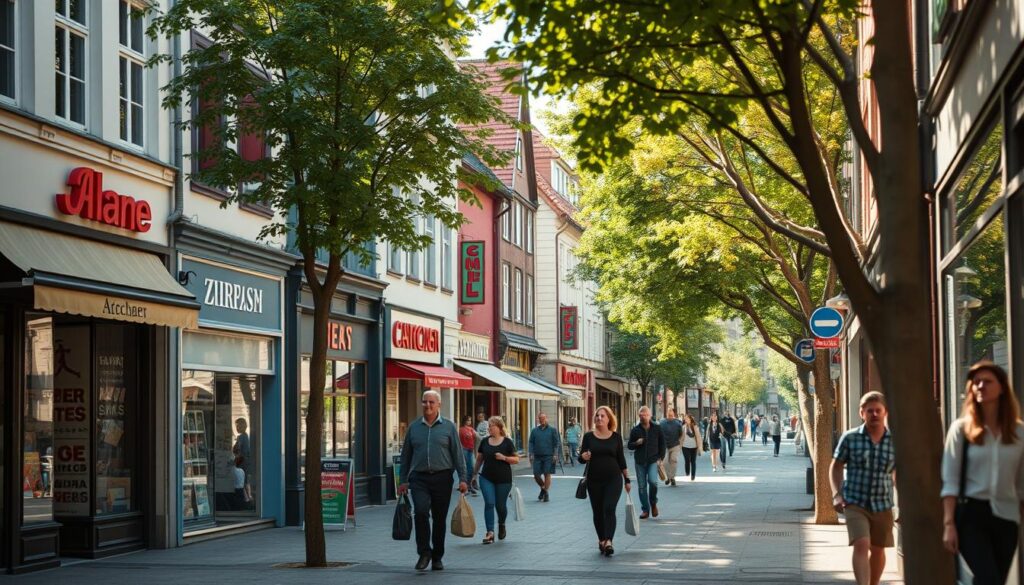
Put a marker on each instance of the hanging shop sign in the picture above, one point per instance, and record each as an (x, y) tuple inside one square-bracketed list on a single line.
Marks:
[(414, 338), (336, 491), (569, 377), (238, 298), (472, 263), (72, 423), (568, 320), (87, 199)]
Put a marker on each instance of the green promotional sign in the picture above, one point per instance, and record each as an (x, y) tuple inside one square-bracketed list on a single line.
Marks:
[(335, 490), (568, 319), (396, 460), (471, 261)]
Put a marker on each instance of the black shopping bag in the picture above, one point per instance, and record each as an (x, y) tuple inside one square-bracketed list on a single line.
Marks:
[(401, 527)]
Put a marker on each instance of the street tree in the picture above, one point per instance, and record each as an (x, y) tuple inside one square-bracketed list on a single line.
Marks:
[(641, 53), (635, 355), (359, 103), (735, 377)]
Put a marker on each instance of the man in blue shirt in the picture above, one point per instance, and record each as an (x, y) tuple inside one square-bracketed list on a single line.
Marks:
[(573, 433), (545, 445), (866, 495)]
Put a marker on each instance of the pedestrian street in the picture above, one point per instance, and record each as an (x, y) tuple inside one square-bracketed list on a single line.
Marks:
[(750, 524)]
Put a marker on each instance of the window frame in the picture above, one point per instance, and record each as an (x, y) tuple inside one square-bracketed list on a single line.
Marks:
[(506, 291), (518, 291), (528, 235), (529, 300), (519, 151), (447, 264), (517, 225), (69, 27), (15, 67), (430, 252), (128, 54), (506, 220)]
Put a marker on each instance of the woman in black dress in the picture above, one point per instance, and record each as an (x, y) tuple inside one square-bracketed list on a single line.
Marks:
[(496, 455), (715, 431), (602, 452)]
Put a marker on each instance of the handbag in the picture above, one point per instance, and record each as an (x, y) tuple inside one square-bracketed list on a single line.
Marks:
[(581, 487), (632, 520), (518, 507), (401, 526), (964, 576), (661, 473), (463, 522)]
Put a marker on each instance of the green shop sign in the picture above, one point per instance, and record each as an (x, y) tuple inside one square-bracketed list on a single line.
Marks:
[(472, 263)]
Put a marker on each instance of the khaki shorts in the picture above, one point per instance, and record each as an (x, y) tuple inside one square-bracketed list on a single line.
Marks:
[(874, 525)]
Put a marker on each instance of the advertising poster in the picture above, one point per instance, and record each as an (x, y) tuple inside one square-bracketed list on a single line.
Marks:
[(335, 490), (396, 460), (72, 427)]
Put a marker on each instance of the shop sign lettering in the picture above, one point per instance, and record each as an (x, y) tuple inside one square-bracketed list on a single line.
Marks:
[(228, 295), (339, 336), (72, 423), (88, 200), (472, 292), (474, 350), (415, 337), (573, 377), (123, 308)]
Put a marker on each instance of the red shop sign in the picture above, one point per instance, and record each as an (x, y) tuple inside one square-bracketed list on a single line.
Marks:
[(415, 337), (88, 200)]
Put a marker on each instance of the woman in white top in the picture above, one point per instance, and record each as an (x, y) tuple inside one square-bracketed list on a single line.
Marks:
[(692, 445), (983, 524)]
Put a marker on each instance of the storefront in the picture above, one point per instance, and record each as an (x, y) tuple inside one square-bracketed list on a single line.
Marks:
[(611, 392), (572, 382), (414, 352), (484, 397), (521, 408), (353, 401), (232, 375), (86, 310)]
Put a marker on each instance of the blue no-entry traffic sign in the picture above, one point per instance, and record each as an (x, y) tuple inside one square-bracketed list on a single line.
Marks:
[(826, 322), (804, 349)]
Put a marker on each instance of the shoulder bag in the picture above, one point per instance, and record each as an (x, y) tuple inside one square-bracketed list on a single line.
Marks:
[(964, 576), (581, 487)]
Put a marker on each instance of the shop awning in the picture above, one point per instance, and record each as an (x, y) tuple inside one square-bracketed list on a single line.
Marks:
[(569, 397), (611, 385), (74, 275), (522, 342), (515, 386), (432, 376)]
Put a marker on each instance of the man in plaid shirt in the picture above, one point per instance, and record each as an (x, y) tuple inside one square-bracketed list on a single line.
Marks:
[(869, 458)]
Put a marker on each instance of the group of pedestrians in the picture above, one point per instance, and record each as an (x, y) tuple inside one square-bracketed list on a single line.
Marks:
[(982, 481)]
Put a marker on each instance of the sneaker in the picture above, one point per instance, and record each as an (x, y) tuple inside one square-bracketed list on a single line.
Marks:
[(714, 469), (540, 496)]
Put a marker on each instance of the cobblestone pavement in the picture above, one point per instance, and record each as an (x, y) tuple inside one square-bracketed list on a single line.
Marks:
[(750, 524)]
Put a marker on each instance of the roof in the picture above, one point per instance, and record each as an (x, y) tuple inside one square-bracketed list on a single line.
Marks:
[(503, 136), (476, 165), (523, 342), (559, 204)]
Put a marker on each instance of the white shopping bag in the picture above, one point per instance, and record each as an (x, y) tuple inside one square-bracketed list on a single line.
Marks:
[(518, 507), (632, 520)]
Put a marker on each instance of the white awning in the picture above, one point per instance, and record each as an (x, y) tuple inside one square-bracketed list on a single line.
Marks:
[(515, 386)]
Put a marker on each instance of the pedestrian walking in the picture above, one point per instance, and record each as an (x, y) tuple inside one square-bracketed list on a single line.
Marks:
[(482, 426), (981, 467), (729, 434), (715, 442), (545, 445), (775, 428), (572, 438), (672, 431), (468, 439), (792, 423), (866, 496), (704, 425), (692, 444), (765, 430), (430, 453), (601, 450), (741, 427), (754, 423), (648, 446), (495, 458)]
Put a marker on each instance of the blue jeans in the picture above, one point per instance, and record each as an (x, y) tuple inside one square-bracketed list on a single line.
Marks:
[(495, 496), (470, 462), (573, 454), (647, 483)]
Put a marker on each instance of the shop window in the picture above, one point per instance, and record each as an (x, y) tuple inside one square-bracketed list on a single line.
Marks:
[(38, 428), (974, 289), (116, 407), (70, 35), (8, 65), (344, 412), (976, 189), (220, 447), (131, 61)]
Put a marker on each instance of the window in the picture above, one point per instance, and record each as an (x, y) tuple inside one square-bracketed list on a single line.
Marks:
[(519, 153), (131, 61), (412, 268), (519, 296), (7, 54), (70, 33), (529, 231), (978, 187), (394, 258), (252, 147), (430, 271), (506, 220), (560, 180), (517, 227), (506, 291), (446, 258), (344, 412), (529, 299)]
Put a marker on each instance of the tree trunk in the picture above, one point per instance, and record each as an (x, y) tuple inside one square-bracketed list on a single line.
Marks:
[(824, 420), (316, 553), (675, 400), (806, 407)]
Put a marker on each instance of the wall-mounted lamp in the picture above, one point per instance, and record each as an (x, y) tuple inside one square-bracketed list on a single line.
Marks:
[(185, 277), (466, 311), (840, 301)]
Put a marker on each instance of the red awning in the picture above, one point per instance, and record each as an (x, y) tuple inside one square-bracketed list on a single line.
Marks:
[(432, 376)]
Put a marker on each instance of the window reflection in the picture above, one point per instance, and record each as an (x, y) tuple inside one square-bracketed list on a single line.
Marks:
[(979, 186), (344, 410)]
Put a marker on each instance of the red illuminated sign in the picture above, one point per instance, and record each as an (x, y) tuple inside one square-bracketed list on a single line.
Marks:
[(88, 200), (573, 377), (472, 273), (339, 336), (415, 337)]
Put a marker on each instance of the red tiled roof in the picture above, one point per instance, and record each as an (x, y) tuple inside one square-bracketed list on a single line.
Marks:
[(562, 208), (503, 136)]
